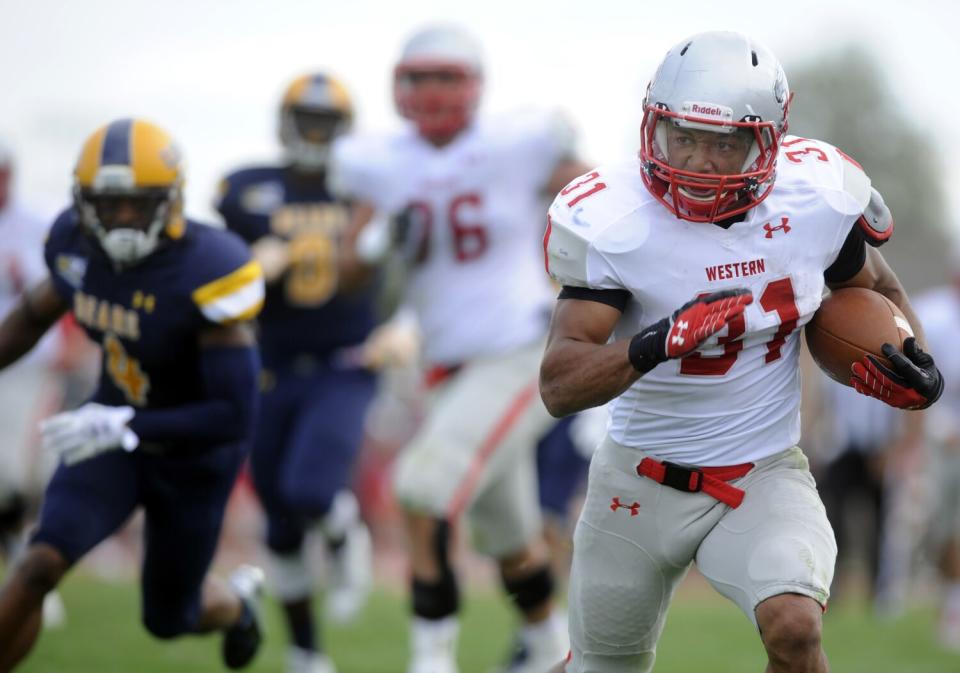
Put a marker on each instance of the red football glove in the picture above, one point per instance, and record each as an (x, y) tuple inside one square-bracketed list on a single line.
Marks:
[(916, 383), (688, 327)]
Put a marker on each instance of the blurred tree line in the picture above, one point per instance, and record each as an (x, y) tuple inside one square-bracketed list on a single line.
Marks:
[(843, 98)]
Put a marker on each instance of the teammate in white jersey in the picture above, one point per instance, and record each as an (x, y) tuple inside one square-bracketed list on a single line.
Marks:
[(471, 194), (741, 227)]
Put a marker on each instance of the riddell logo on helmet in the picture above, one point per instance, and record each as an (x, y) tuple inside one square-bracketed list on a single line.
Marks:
[(706, 110)]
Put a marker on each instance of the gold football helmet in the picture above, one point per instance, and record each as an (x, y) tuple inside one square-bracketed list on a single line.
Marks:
[(316, 108), (128, 189)]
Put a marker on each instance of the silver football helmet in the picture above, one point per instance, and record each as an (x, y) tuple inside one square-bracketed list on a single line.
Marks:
[(451, 57), (722, 82)]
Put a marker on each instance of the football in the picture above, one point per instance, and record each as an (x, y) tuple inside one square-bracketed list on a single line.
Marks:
[(850, 323)]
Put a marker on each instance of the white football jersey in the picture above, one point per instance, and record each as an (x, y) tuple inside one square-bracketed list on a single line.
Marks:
[(477, 284), (736, 399), (22, 234)]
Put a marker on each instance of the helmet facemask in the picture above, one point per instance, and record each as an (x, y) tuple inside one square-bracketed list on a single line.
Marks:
[(707, 197), (440, 98), (307, 133), (127, 222)]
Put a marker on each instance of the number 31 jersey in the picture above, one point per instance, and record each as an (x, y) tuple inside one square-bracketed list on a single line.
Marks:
[(737, 398), (476, 282)]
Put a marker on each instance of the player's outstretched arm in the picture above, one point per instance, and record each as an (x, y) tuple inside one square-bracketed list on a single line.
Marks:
[(37, 310), (230, 368), (581, 370)]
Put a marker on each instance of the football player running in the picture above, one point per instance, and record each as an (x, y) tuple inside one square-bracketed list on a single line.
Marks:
[(168, 300), (687, 274), (470, 193), (315, 390)]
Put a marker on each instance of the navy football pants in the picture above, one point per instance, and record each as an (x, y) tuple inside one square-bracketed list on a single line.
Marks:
[(306, 442), (560, 469), (183, 497)]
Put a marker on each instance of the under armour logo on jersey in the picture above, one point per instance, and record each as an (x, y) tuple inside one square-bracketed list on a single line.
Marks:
[(783, 226), (677, 339), (615, 504)]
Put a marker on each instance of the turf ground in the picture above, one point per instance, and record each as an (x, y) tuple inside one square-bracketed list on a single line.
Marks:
[(703, 633)]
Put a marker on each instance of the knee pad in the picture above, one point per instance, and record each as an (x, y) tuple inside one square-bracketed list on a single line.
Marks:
[(530, 591), (436, 600), (290, 576)]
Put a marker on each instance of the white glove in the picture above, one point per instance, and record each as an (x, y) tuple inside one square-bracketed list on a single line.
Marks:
[(88, 431), (373, 243)]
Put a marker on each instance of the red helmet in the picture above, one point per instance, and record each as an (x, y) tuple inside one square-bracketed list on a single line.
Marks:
[(722, 83), (438, 81)]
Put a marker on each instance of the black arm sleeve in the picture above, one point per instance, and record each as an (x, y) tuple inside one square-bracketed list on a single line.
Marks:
[(851, 259), (616, 298)]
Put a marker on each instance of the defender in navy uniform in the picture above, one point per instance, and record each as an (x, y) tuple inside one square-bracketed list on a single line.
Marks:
[(169, 301), (315, 388)]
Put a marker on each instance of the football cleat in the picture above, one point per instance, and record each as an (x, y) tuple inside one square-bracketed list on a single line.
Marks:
[(306, 661), (316, 109), (539, 647), (54, 611), (349, 575), (128, 189), (434, 645), (242, 640)]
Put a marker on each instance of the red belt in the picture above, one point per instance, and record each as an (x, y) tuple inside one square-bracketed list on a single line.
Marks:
[(710, 480), (438, 374)]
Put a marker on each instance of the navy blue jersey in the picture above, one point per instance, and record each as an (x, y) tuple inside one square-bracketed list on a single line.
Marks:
[(147, 317), (304, 314)]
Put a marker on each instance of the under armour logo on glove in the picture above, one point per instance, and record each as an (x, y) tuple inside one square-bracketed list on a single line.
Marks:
[(688, 327), (677, 339), (916, 383), (699, 319)]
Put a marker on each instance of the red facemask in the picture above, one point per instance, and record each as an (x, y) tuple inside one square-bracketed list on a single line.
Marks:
[(732, 194), (440, 98)]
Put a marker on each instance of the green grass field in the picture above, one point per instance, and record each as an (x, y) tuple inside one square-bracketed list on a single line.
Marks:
[(703, 634)]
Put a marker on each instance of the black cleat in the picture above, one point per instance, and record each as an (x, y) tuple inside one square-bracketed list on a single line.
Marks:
[(242, 640)]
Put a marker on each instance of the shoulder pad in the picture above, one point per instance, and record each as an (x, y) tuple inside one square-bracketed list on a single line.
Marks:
[(579, 215), (233, 290), (545, 131), (876, 222), (355, 169), (856, 182)]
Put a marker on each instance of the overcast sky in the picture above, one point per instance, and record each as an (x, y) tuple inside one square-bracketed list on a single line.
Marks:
[(212, 72)]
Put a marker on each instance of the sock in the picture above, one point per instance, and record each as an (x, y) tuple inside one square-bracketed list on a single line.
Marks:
[(299, 615), (434, 637), (547, 635)]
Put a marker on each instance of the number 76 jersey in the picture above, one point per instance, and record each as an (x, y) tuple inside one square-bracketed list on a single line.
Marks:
[(737, 398)]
